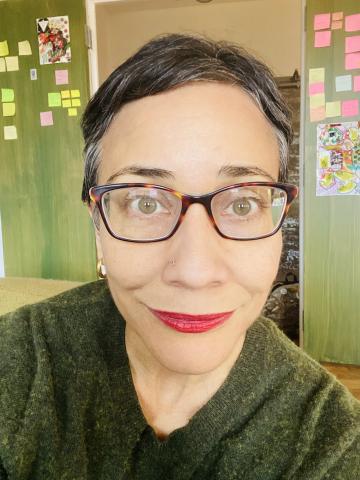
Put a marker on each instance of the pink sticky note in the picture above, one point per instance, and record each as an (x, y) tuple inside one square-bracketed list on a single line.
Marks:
[(61, 77), (337, 16), (322, 39), (322, 21), (356, 83), (317, 114), (352, 61), (352, 23), (350, 108), (352, 44), (337, 25), (46, 119), (315, 88)]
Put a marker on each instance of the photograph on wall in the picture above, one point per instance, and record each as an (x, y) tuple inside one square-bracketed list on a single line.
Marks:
[(338, 159), (54, 40)]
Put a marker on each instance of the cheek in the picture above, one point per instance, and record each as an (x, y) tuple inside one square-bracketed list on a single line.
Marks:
[(258, 262), (129, 265)]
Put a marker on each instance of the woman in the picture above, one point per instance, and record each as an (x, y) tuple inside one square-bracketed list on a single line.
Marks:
[(166, 370)]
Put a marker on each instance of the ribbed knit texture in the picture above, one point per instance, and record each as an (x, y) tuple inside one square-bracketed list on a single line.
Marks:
[(69, 410)]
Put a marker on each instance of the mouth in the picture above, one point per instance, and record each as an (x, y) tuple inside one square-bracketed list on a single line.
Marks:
[(183, 322)]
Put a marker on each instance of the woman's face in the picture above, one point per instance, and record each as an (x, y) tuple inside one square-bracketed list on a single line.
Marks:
[(192, 131)]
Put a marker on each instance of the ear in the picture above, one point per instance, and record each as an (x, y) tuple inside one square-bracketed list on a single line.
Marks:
[(95, 218)]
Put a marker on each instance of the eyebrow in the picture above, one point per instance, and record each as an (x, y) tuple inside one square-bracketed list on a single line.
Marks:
[(224, 171)]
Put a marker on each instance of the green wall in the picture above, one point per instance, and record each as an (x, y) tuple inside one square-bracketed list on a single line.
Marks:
[(46, 229), (332, 223)]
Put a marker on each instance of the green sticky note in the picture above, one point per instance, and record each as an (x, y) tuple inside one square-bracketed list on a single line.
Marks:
[(4, 49), (8, 109), (10, 132), (7, 95), (54, 99)]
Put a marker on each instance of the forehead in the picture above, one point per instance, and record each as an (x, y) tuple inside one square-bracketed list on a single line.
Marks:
[(191, 130)]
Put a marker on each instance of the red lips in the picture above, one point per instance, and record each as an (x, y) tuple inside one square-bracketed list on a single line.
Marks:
[(186, 323)]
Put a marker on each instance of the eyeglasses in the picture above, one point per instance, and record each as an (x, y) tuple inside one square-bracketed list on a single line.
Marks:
[(143, 212)]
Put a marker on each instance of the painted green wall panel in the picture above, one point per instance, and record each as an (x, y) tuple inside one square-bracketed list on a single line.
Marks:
[(46, 229), (332, 223)]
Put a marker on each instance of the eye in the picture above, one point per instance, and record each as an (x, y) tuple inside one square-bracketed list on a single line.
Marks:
[(146, 205), (243, 207)]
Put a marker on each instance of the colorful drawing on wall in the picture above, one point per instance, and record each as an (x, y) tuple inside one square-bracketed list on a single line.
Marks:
[(54, 39), (338, 159)]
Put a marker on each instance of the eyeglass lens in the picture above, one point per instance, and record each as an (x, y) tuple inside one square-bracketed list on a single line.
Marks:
[(148, 213)]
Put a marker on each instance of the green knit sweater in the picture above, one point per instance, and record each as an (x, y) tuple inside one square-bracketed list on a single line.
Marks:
[(69, 410)]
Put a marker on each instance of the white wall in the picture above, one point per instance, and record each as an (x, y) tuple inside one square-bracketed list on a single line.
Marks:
[(269, 28)]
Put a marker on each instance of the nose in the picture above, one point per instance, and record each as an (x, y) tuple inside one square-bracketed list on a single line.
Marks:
[(199, 252)]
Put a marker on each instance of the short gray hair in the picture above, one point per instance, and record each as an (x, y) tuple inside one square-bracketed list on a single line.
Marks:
[(171, 60)]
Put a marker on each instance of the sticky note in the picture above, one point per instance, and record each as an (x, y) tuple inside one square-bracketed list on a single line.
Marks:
[(337, 15), (322, 39), (315, 88), (72, 112), (33, 74), (350, 108), (4, 49), (317, 114), (317, 100), (333, 109), (352, 23), (322, 21), (8, 109), (46, 119), (357, 83), (54, 99), (7, 95), (343, 83), (10, 132), (352, 61), (61, 77), (316, 75), (352, 44), (2, 65), (75, 93), (66, 103), (12, 64), (338, 25), (65, 93), (24, 48), (76, 102)]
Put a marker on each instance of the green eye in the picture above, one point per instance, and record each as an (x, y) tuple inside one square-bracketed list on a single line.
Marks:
[(147, 205), (242, 207)]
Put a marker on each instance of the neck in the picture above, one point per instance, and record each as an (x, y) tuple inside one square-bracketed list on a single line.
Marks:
[(169, 399)]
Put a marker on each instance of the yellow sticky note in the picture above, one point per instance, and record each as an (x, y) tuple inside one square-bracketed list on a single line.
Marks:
[(10, 132), (316, 75), (12, 64), (7, 95), (333, 109), (72, 112), (2, 65), (54, 99), (75, 93), (76, 102), (65, 93), (317, 100), (66, 103), (4, 49), (24, 48), (8, 109)]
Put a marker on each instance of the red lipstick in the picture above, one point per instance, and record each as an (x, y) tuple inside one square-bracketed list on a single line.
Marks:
[(183, 322)]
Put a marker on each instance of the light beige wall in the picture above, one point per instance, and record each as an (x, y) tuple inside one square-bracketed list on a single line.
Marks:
[(269, 28)]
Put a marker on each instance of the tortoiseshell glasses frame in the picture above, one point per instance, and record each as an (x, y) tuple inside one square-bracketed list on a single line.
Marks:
[(96, 194)]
